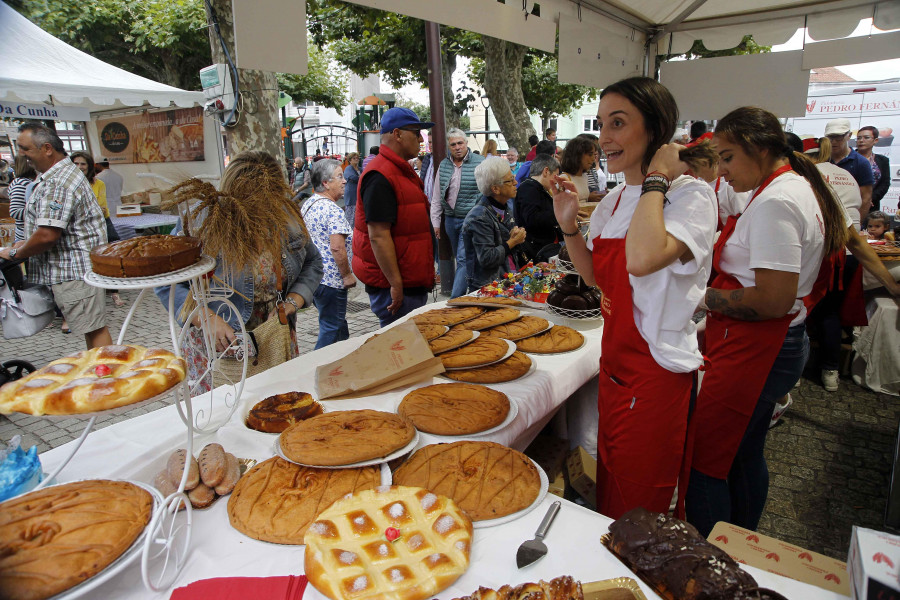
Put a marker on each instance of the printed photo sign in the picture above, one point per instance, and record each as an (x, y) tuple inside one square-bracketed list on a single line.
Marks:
[(153, 137)]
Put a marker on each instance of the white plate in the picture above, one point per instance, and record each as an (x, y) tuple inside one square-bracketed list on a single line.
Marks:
[(201, 267), (510, 417), (365, 463), (511, 347), (545, 485), (472, 339), (125, 559)]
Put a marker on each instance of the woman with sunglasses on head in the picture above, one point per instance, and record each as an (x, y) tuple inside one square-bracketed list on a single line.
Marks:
[(768, 261), (649, 251)]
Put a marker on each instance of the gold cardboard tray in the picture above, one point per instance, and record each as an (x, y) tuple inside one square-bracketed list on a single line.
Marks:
[(620, 588)]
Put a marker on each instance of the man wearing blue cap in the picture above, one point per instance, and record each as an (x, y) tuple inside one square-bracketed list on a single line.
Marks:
[(393, 251)]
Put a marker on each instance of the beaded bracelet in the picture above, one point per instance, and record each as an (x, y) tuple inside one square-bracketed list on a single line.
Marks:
[(654, 186), (660, 174), (661, 179), (573, 234)]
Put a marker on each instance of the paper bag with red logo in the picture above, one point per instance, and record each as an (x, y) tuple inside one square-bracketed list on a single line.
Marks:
[(396, 358), (781, 558)]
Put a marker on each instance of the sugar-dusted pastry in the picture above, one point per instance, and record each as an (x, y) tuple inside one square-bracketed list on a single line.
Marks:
[(390, 543)]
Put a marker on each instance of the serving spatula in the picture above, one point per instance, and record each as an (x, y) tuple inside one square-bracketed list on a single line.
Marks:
[(532, 550)]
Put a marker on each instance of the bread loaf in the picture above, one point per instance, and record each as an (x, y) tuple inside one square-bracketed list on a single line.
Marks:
[(212, 465), (175, 468), (232, 474), (201, 496), (164, 484)]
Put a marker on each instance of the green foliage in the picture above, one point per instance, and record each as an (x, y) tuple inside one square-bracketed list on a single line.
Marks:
[(698, 50), (543, 92), (422, 111), (164, 40), (323, 83)]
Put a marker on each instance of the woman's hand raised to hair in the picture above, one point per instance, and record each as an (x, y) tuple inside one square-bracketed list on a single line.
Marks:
[(565, 203), (667, 161)]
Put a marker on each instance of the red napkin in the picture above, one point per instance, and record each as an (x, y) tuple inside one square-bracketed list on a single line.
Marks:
[(289, 587)]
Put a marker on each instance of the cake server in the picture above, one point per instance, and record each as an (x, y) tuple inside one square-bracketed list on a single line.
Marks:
[(532, 550)]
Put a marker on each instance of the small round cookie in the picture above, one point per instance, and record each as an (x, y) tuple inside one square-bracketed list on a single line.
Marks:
[(519, 329), (483, 351), (485, 479), (390, 543), (491, 318), (277, 413), (512, 368), (451, 340), (454, 408), (276, 500), (345, 437), (448, 316), (558, 339)]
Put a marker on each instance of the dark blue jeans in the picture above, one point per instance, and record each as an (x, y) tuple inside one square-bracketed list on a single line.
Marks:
[(332, 306), (380, 300), (740, 499), (453, 226)]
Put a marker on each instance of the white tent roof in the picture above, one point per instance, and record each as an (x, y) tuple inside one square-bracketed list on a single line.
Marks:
[(45, 69)]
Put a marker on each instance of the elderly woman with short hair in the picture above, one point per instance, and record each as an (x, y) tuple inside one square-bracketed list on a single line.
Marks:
[(489, 231)]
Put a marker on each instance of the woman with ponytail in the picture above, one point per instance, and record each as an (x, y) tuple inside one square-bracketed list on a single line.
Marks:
[(768, 260), (649, 251)]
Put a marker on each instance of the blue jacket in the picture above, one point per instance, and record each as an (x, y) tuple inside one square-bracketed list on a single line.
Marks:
[(352, 177), (468, 190), (301, 267), (485, 236)]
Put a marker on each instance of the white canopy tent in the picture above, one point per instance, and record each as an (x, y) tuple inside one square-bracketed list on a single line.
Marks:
[(47, 72)]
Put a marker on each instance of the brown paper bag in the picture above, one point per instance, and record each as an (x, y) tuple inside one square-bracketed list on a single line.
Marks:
[(396, 358)]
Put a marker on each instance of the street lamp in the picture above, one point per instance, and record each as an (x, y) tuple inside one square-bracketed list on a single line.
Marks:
[(485, 102), (301, 112)]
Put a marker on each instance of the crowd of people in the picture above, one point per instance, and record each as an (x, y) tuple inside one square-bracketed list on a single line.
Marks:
[(720, 252)]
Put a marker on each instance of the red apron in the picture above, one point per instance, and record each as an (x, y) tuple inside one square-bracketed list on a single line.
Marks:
[(741, 354), (643, 407)]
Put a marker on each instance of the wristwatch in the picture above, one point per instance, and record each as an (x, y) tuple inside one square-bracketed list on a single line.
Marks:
[(13, 252)]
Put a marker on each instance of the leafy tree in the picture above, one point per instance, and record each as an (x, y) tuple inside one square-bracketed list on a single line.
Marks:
[(698, 50), (323, 84), (163, 40)]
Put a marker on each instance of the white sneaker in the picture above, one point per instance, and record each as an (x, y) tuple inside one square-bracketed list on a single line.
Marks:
[(780, 409), (830, 380)]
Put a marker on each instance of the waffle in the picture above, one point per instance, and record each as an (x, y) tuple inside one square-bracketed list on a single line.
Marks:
[(349, 555)]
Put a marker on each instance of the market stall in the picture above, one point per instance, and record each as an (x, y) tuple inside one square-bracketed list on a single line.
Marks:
[(136, 449)]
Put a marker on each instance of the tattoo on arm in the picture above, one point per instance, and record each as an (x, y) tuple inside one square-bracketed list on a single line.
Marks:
[(730, 305)]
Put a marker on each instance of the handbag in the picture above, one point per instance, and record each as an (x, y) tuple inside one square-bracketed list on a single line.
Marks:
[(25, 311), (272, 340)]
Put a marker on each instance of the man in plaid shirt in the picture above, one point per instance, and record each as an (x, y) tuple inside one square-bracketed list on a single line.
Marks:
[(63, 223)]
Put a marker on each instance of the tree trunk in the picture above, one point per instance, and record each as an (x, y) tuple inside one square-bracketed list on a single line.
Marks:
[(258, 126), (451, 112), (503, 63)]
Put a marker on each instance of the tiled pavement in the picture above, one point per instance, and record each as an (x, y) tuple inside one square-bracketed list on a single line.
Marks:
[(829, 459)]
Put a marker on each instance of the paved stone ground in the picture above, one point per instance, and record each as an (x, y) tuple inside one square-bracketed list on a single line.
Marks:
[(830, 458)]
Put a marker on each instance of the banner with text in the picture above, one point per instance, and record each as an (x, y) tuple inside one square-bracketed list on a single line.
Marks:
[(152, 137)]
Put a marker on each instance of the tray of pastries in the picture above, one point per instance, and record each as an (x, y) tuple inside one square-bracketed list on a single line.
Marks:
[(452, 409), (211, 476), (390, 543), (66, 539), (673, 558), (493, 484), (94, 380)]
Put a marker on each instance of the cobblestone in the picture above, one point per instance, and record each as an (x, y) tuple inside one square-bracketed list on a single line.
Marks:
[(830, 457)]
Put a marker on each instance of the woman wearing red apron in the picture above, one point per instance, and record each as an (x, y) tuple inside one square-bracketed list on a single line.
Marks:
[(768, 260), (652, 279)]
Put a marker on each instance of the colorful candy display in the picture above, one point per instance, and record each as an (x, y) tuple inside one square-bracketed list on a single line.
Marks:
[(532, 282)]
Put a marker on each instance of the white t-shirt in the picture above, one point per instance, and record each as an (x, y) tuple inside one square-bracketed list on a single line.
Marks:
[(846, 188), (665, 301), (782, 230), (730, 201)]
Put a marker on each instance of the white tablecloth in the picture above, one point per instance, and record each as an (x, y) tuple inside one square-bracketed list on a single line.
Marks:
[(137, 449), (877, 363)]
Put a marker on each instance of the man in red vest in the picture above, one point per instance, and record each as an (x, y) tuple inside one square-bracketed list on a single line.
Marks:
[(393, 250)]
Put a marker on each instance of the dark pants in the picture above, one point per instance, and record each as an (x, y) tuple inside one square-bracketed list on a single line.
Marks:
[(332, 306), (825, 319), (740, 499), (380, 300)]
